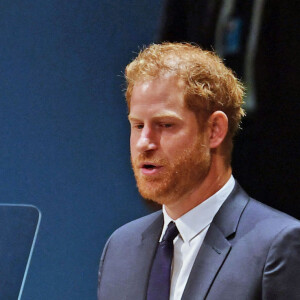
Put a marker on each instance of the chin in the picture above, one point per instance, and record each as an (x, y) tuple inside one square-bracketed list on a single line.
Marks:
[(151, 193), (162, 195)]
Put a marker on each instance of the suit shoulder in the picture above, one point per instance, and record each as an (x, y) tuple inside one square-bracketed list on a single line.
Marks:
[(137, 226), (267, 219), (263, 210)]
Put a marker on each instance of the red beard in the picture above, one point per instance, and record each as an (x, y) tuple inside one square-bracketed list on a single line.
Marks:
[(176, 178)]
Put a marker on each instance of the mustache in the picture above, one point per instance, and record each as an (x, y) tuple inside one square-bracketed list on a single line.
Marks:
[(149, 157)]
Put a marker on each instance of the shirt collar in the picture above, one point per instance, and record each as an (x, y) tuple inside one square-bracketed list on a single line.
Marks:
[(197, 219)]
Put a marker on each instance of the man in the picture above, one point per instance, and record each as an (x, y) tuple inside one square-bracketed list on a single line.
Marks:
[(211, 240)]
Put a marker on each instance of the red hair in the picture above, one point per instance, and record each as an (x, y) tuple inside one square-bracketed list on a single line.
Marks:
[(209, 84)]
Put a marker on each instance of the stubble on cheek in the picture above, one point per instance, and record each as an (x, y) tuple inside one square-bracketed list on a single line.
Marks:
[(177, 178)]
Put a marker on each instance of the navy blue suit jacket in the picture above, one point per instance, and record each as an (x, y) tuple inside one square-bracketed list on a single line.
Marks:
[(251, 251)]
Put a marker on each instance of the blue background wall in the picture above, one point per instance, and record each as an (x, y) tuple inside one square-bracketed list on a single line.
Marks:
[(64, 132)]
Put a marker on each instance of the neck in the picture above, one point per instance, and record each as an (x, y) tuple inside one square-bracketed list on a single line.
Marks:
[(216, 178)]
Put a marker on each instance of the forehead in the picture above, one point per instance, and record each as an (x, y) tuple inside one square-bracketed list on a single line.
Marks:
[(166, 91)]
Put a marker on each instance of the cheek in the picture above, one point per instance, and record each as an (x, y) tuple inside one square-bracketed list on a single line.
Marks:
[(132, 144), (175, 144), (172, 149)]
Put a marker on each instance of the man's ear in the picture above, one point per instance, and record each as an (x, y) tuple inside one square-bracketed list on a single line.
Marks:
[(218, 128)]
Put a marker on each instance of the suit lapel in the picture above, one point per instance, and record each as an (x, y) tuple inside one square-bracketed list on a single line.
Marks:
[(209, 260), (216, 246), (144, 257)]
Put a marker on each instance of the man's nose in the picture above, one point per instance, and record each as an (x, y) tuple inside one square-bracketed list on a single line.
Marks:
[(146, 141)]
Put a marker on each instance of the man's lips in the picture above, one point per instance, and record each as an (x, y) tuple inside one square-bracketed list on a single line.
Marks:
[(149, 168)]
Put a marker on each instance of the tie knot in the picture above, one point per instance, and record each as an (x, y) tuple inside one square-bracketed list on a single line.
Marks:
[(170, 233)]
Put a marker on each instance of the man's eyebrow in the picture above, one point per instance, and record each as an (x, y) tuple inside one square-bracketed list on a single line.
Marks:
[(132, 118), (167, 115), (162, 115)]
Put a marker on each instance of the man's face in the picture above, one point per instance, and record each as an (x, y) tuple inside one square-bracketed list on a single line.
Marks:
[(170, 157)]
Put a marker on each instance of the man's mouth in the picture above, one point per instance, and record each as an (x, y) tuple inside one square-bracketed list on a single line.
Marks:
[(149, 168)]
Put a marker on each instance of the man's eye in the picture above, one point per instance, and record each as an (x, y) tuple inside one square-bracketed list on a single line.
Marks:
[(166, 125), (139, 126)]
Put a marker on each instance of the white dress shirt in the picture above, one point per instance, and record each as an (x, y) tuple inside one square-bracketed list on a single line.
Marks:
[(192, 228)]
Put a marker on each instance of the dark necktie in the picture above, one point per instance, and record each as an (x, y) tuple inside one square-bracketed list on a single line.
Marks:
[(159, 281)]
